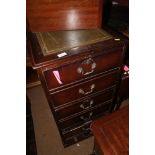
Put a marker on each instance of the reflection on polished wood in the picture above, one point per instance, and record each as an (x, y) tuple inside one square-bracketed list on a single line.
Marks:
[(46, 15)]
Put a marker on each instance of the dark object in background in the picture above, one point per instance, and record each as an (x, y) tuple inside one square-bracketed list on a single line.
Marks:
[(107, 5), (123, 92), (116, 16), (30, 135)]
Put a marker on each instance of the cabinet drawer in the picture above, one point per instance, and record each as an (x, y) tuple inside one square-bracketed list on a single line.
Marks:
[(82, 69), (85, 129), (81, 90), (75, 139), (85, 104), (70, 123), (77, 134)]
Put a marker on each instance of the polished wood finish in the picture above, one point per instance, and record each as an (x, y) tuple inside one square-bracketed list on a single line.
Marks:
[(111, 60), (83, 105), (84, 117), (48, 15), (112, 133), (76, 88), (63, 96), (77, 54)]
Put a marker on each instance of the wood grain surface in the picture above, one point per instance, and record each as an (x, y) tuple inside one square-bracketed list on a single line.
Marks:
[(112, 133), (48, 15)]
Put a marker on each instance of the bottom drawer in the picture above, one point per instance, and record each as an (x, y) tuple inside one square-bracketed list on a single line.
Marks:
[(75, 139), (85, 129), (71, 123), (77, 135)]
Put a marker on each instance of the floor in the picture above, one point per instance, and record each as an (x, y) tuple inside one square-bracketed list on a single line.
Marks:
[(48, 140)]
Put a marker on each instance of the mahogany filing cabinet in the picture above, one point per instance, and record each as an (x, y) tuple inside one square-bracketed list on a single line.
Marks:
[(80, 71)]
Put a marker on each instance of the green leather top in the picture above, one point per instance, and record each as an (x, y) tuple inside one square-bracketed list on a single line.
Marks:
[(56, 41)]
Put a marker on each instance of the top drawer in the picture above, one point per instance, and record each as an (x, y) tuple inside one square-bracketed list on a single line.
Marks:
[(82, 69)]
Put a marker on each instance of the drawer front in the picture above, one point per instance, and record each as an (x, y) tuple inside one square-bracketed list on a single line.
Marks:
[(80, 70), (77, 134), (85, 129), (75, 139), (86, 104), (84, 118), (81, 90)]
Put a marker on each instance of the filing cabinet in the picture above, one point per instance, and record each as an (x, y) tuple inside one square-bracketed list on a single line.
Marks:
[(80, 73)]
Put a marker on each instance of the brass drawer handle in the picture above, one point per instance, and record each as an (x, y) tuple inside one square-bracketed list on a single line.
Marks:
[(80, 70), (81, 91), (86, 107), (86, 118), (86, 131)]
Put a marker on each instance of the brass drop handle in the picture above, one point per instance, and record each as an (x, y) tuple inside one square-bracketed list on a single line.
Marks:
[(90, 104), (86, 131), (81, 91), (85, 119), (80, 70)]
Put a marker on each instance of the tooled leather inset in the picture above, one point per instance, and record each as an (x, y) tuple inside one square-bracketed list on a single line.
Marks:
[(56, 41)]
